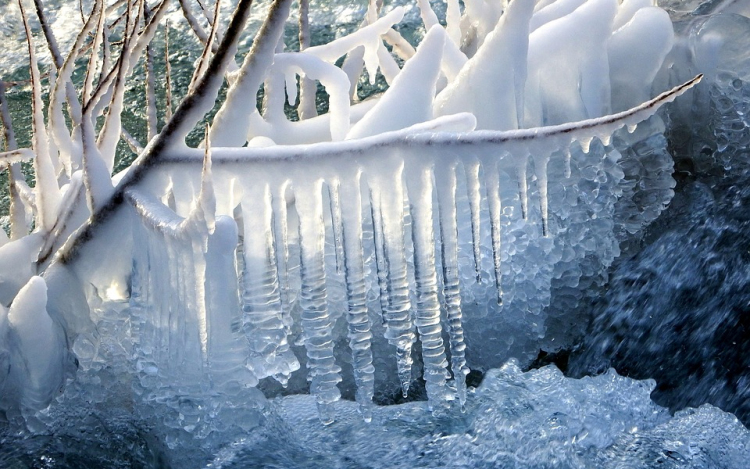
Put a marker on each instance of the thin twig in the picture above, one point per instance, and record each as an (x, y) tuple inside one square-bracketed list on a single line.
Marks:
[(150, 90), (132, 142), (15, 174), (203, 61), (168, 71)]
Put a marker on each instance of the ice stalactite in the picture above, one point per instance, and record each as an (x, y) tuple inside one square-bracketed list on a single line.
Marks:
[(475, 197), (261, 295), (323, 372), (427, 314), (360, 335), (36, 360), (494, 203), (387, 195), (445, 183)]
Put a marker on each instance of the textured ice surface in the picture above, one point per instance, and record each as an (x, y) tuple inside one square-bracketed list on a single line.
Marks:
[(513, 419)]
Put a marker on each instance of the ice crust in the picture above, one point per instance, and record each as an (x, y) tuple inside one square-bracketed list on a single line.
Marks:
[(529, 419)]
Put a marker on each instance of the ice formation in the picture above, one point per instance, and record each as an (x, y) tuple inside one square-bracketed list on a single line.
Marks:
[(451, 222)]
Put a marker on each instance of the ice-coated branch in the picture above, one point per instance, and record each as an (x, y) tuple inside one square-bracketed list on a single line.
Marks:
[(132, 142), (16, 181), (203, 60), (188, 113), (449, 131), (233, 119), (46, 190), (54, 49), (57, 59), (110, 133), (104, 89), (307, 87), (57, 125), (195, 25), (8, 133), (88, 84), (363, 37), (16, 156)]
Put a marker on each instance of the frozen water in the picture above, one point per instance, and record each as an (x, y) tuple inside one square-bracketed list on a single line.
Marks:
[(687, 307), (374, 252), (514, 419), (519, 419)]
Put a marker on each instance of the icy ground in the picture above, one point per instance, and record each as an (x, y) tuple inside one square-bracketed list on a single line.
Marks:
[(534, 419)]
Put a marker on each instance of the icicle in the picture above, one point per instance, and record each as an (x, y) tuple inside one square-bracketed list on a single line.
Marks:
[(356, 293), (523, 185), (40, 343), (632, 128), (475, 199), (606, 139), (323, 373), (585, 143), (445, 181), (540, 170), (492, 183), (388, 199), (427, 317), (566, 151), (261, 300), (380, 262), (226, 347), (279, 211), (197, 243), (337, 225), (291, 88)]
